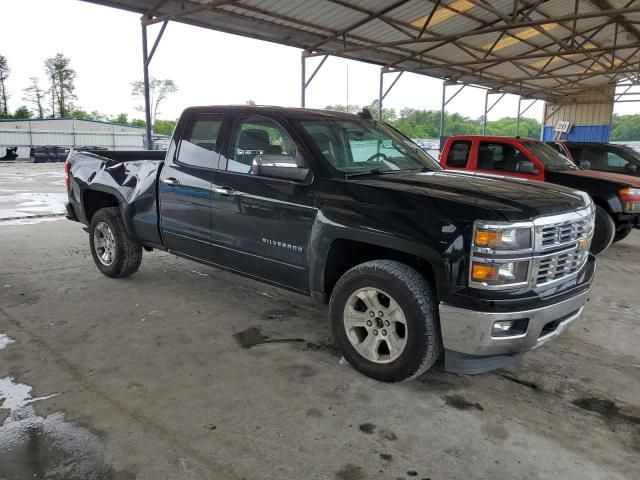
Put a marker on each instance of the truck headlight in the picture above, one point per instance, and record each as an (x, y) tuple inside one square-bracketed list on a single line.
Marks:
[(500, 274), (630, 198), (501, 238)]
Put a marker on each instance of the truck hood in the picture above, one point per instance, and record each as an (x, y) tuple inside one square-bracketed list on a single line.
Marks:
[(514, 198), (626, 180)]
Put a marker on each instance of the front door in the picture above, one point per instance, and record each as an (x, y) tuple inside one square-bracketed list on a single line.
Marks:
[(502, 158), (185, 187), (261, 225)]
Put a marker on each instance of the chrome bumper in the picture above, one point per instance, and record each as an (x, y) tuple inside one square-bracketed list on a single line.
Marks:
[(469, 332)]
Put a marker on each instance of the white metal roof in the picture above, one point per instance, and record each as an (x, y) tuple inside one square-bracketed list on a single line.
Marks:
[(538, 48)]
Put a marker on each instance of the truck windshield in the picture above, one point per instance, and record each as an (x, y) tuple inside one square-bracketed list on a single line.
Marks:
[(549, 156), (357, 147)]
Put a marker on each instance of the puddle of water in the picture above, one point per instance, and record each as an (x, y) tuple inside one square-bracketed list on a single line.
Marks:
[(5, 340), (32, 446)]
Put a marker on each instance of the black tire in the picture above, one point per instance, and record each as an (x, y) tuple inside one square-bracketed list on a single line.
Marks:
[(417, 300), (621, 234), (127, 253), (604, 233)]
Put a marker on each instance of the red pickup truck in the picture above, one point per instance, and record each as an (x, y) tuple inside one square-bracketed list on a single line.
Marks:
[(617, 196)]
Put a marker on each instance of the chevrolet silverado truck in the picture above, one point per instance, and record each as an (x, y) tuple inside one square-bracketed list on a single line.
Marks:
[(616, 196), (416, 263)]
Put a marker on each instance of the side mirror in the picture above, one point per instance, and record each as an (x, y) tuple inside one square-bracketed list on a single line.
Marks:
[(280, 166), (631, 167), (585, 164), (525, 166)]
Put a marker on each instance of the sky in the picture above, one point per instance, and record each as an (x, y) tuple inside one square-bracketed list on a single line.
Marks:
[(209, 67)]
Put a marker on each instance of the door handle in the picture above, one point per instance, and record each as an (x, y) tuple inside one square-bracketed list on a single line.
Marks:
[(170, 181), (226, 191)]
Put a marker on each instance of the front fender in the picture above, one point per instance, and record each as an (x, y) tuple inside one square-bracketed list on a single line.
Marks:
[(439, 243)]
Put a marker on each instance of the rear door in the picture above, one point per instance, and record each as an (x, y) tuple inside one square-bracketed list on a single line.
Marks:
[(261, 226), (185, 186)]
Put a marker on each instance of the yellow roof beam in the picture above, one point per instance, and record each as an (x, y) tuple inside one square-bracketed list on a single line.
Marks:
[(513, 38), (444, 13), (556, 58)]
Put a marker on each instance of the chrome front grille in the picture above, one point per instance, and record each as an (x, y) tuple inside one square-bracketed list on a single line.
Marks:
[(559, 265), (560, 234)]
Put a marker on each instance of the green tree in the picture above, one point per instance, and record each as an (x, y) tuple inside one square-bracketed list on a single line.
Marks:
[(22, 112), (343, 108), (121, 118), (62, 78), (35, 95), (4, 74), (158, 91), (164, 127)]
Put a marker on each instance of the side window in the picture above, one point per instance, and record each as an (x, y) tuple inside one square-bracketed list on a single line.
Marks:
[(198, 143), (616, 162), (257, 135), (458, 155), (597, 158), (499, 156)]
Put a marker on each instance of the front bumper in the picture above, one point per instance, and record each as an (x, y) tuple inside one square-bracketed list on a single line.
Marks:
[(470, 346)]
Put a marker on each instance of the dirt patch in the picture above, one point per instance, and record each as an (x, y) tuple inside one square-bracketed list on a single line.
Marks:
[(350, 472), (524, 383), (253, 336), (606, 408), (461, 403), (367, 428)]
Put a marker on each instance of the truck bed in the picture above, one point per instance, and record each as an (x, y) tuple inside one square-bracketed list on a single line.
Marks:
[(129, 155), (127, 179)]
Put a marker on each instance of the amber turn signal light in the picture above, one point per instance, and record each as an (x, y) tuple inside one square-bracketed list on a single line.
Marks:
[(482, 273), (488, 238)]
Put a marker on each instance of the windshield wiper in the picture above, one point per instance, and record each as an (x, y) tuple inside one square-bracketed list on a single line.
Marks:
[(377, 171), (373, 171)]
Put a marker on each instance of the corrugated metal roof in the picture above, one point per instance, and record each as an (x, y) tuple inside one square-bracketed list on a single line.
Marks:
[(537, 48)]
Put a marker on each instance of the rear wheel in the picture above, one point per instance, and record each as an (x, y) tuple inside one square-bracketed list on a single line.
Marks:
[(384, 320), (604, 233), (114, 253), (621, 234)]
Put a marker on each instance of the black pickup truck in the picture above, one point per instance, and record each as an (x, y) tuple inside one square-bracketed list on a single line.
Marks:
[(414, 261)]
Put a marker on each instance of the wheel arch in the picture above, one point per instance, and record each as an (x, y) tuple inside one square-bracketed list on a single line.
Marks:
[(343, 253)]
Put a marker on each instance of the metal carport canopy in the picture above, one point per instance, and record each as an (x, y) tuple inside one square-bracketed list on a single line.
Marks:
[(539, 49)]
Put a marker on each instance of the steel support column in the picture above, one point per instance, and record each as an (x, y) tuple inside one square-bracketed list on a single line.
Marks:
[(487, 109), (382, 92), (147, 99), (522, 112), (304, 83), (445, 102), (146, 60)]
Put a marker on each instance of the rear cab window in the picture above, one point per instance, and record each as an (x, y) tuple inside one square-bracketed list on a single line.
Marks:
[(458, 156), (199, 146)]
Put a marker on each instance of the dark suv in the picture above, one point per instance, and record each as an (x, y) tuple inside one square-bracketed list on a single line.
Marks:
[(605, 157)]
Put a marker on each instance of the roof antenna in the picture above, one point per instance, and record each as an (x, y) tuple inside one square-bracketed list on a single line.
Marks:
[(365, 114)]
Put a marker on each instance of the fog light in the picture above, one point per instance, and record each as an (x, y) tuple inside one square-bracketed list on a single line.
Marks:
[(509, 328), (502, 326)]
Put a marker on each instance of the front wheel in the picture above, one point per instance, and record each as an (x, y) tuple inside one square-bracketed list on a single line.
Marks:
[(384, 320), (114, 253), (604, 232)]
